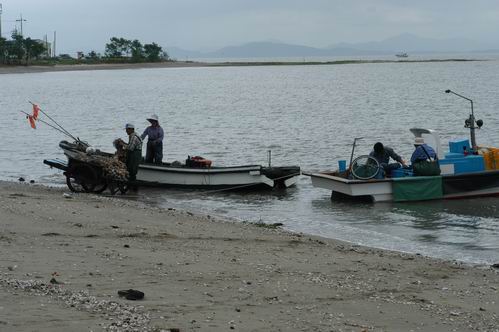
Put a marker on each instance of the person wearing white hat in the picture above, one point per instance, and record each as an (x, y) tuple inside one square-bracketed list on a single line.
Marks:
[(423, 151), (133, 152), (424, 159), (155, 135)]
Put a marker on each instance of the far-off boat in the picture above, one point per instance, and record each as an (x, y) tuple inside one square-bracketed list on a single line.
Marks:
[(86, 170), (466, 171)]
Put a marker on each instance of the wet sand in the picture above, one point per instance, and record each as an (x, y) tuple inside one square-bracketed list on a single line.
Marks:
[(102, 66), (203, 274)]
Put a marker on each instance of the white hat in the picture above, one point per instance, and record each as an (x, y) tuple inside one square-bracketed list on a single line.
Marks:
[(419, 141), (153, 117), (129, 126)]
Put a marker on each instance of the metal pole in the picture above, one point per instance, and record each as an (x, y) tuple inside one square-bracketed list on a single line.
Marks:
[(54, 43), (353, 150), (58, 125), (21, 20), (471, 120), (0, 20), (472, 129), (48, 124)]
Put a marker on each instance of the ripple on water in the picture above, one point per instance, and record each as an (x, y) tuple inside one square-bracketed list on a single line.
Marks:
[(307, 115)]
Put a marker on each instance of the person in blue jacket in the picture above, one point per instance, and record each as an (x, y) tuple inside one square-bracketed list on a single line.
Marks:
[(423, 151)]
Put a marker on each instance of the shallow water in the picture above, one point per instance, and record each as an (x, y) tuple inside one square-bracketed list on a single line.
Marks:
[(307, 116)]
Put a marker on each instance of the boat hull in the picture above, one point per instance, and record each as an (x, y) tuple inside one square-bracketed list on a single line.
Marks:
[(454, 186), (222, 177), (378, 190), (234, 177)]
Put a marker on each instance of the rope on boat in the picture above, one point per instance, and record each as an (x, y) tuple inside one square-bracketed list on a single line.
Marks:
[(246, 185)]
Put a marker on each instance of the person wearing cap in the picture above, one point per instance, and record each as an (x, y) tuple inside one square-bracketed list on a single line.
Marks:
[(133, 152), (422, 152), (155, 134), (383, 154)]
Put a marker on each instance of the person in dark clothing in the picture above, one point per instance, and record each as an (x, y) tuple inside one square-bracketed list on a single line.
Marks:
[(133, 152), (155, 135), (383, 154)]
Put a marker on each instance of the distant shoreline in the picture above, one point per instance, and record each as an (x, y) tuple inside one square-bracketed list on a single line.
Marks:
[(184, 64)]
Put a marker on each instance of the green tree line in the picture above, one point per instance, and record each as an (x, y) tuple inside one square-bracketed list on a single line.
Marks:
[(25, 51), (20, 50), (134, 50)]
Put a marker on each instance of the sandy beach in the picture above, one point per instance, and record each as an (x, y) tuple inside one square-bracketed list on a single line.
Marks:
[(102, 66), (63, 259)]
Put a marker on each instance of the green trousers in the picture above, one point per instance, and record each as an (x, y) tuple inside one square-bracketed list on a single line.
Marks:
[(133, 160)]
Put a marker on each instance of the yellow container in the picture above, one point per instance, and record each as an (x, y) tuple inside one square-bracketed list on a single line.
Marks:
[(495, 152), (488, 157)]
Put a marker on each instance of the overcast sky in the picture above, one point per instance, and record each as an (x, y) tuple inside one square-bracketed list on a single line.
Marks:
[(210, 24)]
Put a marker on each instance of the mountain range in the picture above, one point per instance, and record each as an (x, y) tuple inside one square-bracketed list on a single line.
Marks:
[(406, 42)]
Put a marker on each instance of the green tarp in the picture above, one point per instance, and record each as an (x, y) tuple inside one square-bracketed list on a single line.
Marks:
[(417, 188)]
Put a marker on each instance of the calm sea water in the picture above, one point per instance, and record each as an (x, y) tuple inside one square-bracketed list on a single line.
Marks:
[(307, 116)]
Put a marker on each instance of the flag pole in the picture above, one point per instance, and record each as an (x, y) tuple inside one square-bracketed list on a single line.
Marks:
[(48, 124), (61, 127)]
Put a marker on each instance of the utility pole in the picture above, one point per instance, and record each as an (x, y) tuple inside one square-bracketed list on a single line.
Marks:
[(21, 20), (54, 44), (47, 52), (0, 20)]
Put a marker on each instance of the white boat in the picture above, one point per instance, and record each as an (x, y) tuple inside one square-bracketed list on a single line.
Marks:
[(176, 175), (471, 184), (232, 177), (466, 171), (402, 55)]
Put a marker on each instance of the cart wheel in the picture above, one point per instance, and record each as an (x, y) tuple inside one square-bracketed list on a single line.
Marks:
[(123, 187), (82, 178), (73, 184), (365, 167), (99, 188), (115, 187)]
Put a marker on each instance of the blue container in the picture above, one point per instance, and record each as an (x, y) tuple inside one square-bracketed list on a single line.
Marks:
[(458, 145), (476, 163), (401, 172), (465, 164), (342, 165), (452, 155)]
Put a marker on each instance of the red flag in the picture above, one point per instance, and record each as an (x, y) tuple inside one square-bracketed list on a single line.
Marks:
[(36, 110), (32, 123)]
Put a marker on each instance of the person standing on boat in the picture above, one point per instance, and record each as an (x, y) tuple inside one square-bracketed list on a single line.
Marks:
[(155, 134), (133, 152), (383, 154)]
